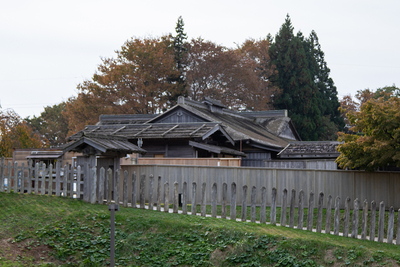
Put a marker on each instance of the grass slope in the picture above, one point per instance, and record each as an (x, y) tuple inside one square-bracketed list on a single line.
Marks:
[(52, 231)]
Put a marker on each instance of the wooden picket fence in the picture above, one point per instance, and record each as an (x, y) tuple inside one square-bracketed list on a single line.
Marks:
[(104, 187)]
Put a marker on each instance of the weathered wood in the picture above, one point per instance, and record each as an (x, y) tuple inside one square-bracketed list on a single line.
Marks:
[(292, 208), (116, 187), (125, 189), (398, 228), (364, 221), (194, 210), (175, 205), (373, 221), (15, 179), (328, 215), (159, 193), (184, 198), (93, 185), (58, 178), (354, 226), (346, 225), (390, 226), (244, 203), (166, 197), (142, 190), (233, 202), (263, 212), (134, 192), (310, 211), (109, 183), (319, 212), (86, 182), (65, 180), (100, 198), (9, 171), (29, 178), (337, 217), (284, 207), (43, 184), (2, 174), (36, 178), (253, 203), (203, 200), (214, 200), (224, 200), (273, 207), (381, 223), (151, 187), (300, 210), (50, 184), (22, 187)]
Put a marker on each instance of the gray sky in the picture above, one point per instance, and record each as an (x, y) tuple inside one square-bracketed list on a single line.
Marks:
[(48, 47)]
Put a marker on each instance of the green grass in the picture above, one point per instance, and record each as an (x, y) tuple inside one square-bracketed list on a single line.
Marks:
[(68, 232)]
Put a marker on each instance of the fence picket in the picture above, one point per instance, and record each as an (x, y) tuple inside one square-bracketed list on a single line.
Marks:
[(284, 207), (166, 197), (93, 185), (373, 221), (319, 212), (176, 197), (109, 177), (292, 208), (2, 174), (184, 197), (151, 182), (141, 190), (364, 222), (336, 219), (58, 178), (354, 227), (125, 190), (310, 211), (15, 179), (300, 210), (328, 215), (9, 177), (134, 199), (263, 213), (233, 202), (390, 226), (100, 199), (194, 210), (29, 178), (253, 203), (273, 207), (214, 200), (224, 200), (22, 184), (346, 217), (398, 228), (43, 178), (203, 200), (381, 223)]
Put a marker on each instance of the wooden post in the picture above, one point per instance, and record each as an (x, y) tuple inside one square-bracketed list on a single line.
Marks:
[(184, 197), (2, 172), (381, 223), (58, 178), (337, 217), (159, 193), (224, 200), (9, 178), (244, 203), (203, 199), (354, 226), (116, 186), (373, 221), (101, 186), (93, 183), (310, 212), (66, 180), (292, 208), (364, 222), (398, 228), (346, 217), (284, 207), (141, 190), (253, 204), (390, 226), (151, 187), (319, 212), (109, 185), (300, 210), (22, 187), (214, 200), (29, 178), (36, 178), (166, 197), (86, 182), (125, 190), (194, 210), (273, 207), (15, 185), (134, 198), (50, 185), (176, 198), (233, 202), (43, 185), (263, 213), (328, 215)]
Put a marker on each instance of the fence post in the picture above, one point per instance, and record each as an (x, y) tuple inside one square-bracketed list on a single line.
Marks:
[(328, 215), (373, 221), (166, 197), (86, 182), (253, 204), (244, 203), (381, 223), (15, 187), (116, 186), (284, 207), (184, 197), (65, 180), (337, 216), (36, 178), (398, 228), (310, 211), (22, 187), (58, 178), (159, 193), (50, 185), (109, 185), (194, 210), (9, 171), (319, 212), (176, 198), (141, 189), (125, 189), (43, 185), (346, 217), (263, 213), (300, 210), (3, 163), (292, 208), (390, 226), (354, 227), (273, 207), (203, 199), (233, 201), (29, 178), (151, 183), (93, 183), (224, 200), (214, 200), (101, 186), (134, 198), (364, 221)]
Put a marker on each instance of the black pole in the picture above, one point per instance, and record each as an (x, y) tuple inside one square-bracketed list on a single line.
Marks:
[(112, 208)]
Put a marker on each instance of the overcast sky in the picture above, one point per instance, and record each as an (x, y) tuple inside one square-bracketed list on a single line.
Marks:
[(48, 47)]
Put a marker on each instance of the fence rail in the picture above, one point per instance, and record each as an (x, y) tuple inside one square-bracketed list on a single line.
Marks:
[(265, 204)]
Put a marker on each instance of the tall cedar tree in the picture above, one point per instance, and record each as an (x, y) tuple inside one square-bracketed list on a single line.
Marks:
[(308, 93)]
